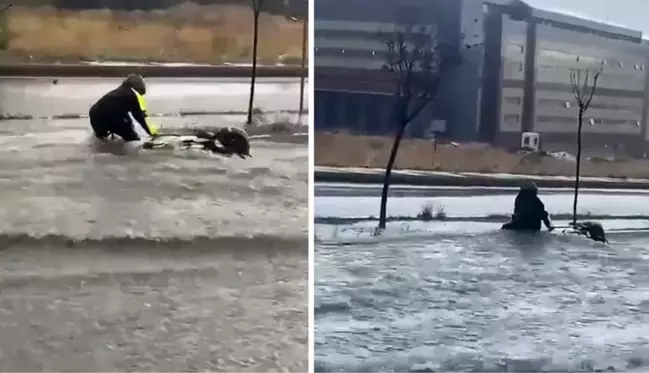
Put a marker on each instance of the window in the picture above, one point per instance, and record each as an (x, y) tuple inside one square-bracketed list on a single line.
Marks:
[(352, 112), (614, 122), (512, 118), (516, 66), (515, 48), (373, 117), (601, 104), (331, 110), (551, 102), (559, 55), (513, 100), (615, 63), (588, 59), (556, 119)]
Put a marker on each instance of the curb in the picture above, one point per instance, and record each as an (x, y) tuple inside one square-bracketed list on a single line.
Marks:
[(422, 178), (160, 71)]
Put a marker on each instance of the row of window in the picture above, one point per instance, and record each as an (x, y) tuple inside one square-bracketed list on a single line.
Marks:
[(515, 119), (573, 57), (551, 102), (349, 110), (556, 103), (591, 121)]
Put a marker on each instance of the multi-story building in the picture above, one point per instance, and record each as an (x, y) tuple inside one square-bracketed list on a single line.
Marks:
[(528, 61), (351, 90), (517, 81)]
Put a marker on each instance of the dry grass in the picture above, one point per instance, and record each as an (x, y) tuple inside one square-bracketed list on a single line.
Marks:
[(344, 150), (188, 33)]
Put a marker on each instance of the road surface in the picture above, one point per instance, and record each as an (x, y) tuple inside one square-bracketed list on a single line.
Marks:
[(464, 296), (166, 261)]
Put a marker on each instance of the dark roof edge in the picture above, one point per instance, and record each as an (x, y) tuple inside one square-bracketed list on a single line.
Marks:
[(558, 17)]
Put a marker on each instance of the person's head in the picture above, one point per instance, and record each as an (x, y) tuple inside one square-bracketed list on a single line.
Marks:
[(136, 82), (529, 187), (235, 140)]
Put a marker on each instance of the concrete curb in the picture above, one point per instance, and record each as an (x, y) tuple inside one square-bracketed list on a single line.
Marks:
[(160, 71), (375, 176)]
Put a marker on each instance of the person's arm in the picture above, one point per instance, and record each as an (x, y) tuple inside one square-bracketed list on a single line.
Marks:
[(517, 204), (138, 109), (545, 216)]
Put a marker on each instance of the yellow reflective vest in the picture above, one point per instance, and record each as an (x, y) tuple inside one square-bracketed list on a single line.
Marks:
[(142, 101)]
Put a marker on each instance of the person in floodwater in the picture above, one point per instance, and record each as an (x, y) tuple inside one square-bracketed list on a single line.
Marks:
[(110, 115), (529, 211)]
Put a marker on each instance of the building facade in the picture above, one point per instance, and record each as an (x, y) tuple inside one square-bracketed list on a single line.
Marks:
[(531, 60), (517, 79), (353, 93)]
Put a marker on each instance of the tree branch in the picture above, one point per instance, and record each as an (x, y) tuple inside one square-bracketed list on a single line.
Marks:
[(594, 87)]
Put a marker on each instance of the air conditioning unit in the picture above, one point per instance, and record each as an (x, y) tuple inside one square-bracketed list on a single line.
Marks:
[(530, 140)]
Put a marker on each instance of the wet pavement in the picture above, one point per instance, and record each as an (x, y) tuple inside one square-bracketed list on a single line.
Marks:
[(464, 296), (165, 260)]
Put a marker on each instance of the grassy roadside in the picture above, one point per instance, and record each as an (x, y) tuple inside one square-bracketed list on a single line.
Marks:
[(186, 33), (345, 150)]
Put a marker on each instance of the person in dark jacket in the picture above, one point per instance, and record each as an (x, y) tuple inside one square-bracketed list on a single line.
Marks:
[(529, 211), (110, 115)]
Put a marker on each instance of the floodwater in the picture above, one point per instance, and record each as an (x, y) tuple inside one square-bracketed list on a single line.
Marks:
[(463, 296), (166, 261)]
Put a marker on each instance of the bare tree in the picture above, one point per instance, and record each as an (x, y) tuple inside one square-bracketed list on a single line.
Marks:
[(305, 39), (256, 12), (417, 61), (584, 85)]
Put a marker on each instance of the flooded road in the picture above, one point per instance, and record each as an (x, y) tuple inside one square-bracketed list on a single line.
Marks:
[(461, 295), (165, 260)]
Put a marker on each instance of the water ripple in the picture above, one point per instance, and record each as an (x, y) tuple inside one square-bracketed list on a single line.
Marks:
[(486, 302)]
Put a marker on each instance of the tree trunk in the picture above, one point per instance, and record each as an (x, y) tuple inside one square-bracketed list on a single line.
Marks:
[(255, 41), (305, 36), (388, 173), (578, 167)]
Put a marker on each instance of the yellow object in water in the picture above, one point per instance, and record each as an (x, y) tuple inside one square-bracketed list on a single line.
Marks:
[(140, 99)]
